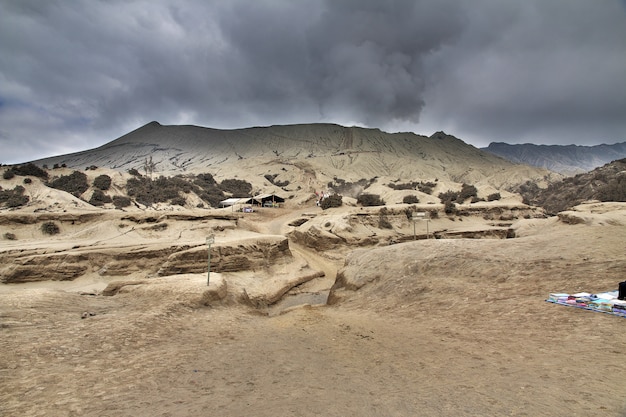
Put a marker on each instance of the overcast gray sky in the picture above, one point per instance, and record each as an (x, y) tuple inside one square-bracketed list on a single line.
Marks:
[(76, 74)]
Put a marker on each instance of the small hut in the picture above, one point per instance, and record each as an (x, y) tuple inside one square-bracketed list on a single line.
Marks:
[(232, 202), (270, 200)]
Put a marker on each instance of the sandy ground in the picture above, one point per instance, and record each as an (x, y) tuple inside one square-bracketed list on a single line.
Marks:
[(430, 344)]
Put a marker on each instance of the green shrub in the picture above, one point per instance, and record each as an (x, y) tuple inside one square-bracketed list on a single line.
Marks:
[(27, 180), (17, 201), (205, 181), (383, 221), (494, 197), (426, 187), (99, 198), (102, 182), (121, 201), (238, 188), (147, 191), (410, 199), (403, 186), (8, 174), (75, 183), (50, 228), (448, 196), (466, 192), (529, 191), (140, 188), (179, 201), (213, 197), (334, 200), (29, 169), (10, 236), (351, 189), (368, 200), (449, 207), (615, 190), (134, 172), (14, 198)]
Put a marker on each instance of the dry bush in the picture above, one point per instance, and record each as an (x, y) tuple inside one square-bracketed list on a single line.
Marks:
[(368, 200), (449, 207), (334, 200), (410, 199), (426, 187), (466, 192), (383, 220), (238, 188), (50, 228), (14, 198), (28, 169), (99, 198), (121, 201), (103, 182), (448, 196), (75, 183), (351, 189)]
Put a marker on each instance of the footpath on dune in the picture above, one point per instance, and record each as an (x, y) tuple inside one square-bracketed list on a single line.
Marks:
[(311, 292)]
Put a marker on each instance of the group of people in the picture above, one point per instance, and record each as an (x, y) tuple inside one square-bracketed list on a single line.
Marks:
[(321, 195)]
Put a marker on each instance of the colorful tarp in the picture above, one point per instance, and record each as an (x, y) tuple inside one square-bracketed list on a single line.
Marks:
[(605, 302)]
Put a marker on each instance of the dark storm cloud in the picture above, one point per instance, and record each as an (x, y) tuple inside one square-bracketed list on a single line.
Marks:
[(74, 75), (545, 72), (356, 60)]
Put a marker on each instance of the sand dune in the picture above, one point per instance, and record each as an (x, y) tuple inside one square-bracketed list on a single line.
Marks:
[(434, 327)]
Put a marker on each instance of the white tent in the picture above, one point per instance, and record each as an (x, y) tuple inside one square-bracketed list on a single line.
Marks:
[(234, 201)]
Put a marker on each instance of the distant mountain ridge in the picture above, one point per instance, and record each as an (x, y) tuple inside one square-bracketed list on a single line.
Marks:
[(564, 159)]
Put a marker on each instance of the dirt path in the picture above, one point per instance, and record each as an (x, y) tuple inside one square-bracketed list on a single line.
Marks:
[(281, 217), (278, 224), (317, 262), (315, 291)]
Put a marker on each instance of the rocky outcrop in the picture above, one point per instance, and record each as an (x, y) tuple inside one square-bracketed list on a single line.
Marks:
[(67, 265), (20, 218), (319, 239), (382, 226), (248, 254)]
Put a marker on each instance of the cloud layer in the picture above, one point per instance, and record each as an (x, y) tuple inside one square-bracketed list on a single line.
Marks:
[(75, 75)]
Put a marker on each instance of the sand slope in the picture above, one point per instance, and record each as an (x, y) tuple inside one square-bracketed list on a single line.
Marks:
[(448, 327)]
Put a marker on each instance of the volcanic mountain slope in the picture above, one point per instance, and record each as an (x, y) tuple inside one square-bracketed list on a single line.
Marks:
[(309, 155), (567, 160)]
